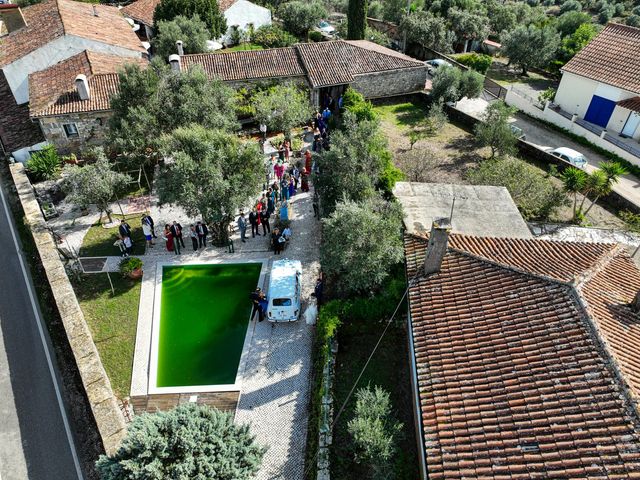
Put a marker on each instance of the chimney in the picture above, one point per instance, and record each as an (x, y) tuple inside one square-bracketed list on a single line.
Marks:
[(82, 86), (95, 11), (179, 47), (174, 61), (12, 17), (437, 248), (635, 303)]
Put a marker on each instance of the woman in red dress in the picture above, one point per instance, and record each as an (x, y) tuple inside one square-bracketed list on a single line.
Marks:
[(307, 161), (168, 238)]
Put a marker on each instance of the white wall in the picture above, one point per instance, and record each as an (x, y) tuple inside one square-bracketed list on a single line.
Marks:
[(17, 73), (242, 13)]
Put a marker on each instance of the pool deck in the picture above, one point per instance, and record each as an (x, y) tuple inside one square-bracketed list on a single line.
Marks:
[(276, 366)]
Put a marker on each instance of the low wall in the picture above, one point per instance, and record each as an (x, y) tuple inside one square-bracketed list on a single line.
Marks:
[(104, 406)]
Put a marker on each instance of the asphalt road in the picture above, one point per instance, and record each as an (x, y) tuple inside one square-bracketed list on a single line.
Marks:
[(35, 439)]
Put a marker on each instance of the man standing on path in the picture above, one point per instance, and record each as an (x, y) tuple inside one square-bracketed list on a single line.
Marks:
[(253, 221), (255, 298), (202, 232), (264, 220), (318, 290), (242, 226), (194, 237), (176, 231), (124, 229)]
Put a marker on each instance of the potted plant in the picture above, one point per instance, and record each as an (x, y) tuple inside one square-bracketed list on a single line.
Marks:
[(131, 267)]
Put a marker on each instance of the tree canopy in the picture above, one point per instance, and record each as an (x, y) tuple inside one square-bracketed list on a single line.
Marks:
[(192, 32), (494, 130), (357, 18), (157, 100), (451, 84), (191, 441), (299, 16), (468, 26), (427, 30), (94, 184), (282, 107), (361, 242), (531, 46), (210, 173), (207, 10)]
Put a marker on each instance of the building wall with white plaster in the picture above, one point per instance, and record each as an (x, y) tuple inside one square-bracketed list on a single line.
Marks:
[(242, 14)]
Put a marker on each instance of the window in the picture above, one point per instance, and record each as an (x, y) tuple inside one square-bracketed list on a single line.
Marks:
[(281, 302), (70, 130)]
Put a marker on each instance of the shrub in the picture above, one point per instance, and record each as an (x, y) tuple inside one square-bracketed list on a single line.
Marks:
[(316, 36), (374, 431), (633, 20), (477, 61), (632, 220), (128, 265), (44, 164), (299, 16), (272, 36), (570, 6)]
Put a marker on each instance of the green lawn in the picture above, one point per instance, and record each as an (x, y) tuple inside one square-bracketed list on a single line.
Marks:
[(99, 241), (237, 48), (389, 368), (403, 115), (112, 321)]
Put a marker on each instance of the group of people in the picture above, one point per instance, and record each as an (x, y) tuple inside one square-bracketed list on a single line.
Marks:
[(174, 237)]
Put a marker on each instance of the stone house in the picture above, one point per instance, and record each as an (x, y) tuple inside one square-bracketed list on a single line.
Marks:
[(601, 84), (326, 68), (71, 99), (239, 14), (40, 36)]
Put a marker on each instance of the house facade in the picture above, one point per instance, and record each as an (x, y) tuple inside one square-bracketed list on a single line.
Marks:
[(41, 36), (326, 68), (601, 84), (240, 15)]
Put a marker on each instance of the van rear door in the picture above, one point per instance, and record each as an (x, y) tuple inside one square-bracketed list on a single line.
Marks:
[(281, 309)]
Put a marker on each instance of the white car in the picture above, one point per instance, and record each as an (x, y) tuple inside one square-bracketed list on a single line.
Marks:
[(433, 65), (326, 28), (569, 155), (284, 291)]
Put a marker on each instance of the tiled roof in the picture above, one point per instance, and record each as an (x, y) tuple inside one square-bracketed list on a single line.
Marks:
[(632, 103), (515, 367), (141, 11), (324, 63), (53, 18), (52, 91), (250, 64), (612, 57)]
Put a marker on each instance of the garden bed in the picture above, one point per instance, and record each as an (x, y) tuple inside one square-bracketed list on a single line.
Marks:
[(99, 241)]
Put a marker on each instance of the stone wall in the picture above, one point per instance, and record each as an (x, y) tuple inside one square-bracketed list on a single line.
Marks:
[(16, 128), (391, 83), (225, 401), (92, 130), (107, 413)]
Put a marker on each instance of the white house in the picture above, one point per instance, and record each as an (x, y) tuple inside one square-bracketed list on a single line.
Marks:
[(601, 84), (239, 14)]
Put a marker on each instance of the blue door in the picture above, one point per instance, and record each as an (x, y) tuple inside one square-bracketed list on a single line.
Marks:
[(600, 110)]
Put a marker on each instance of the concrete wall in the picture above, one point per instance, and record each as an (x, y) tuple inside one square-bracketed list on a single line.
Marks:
[(575, 93), (104, 406), (393, 82), (92, 130), (61, 48), (242, 13)]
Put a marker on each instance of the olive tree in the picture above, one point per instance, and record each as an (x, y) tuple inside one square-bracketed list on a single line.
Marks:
[(361, 242), (299, 16), (190, 441), (282, 107), (451, 84), (192, 32), (494, 130), (209, 173), (531, 46), (94, 184), (207, 10), (427, 30)]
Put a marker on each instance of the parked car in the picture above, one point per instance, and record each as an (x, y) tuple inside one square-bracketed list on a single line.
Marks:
[(326, 28), (284, 291), (569, 155), (436, 63)]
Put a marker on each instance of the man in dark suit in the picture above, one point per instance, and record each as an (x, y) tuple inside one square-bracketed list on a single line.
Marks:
[(253, 221), (202, 231), (264, 220), (124, 229), (176, 231), (255, 298)]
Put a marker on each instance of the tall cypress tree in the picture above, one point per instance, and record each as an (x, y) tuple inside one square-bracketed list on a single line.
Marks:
[(357, 19)]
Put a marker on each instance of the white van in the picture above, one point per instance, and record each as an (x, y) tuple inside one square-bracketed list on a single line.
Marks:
[(284, 291)]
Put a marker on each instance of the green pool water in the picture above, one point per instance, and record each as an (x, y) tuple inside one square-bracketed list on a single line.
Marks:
[(204, 313)]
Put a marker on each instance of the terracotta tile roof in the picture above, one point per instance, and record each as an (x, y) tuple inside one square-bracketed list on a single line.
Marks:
[(515, 370), (51, 19), (324, 63), (250, 64), (52, 91), (612, 57), (632, 104), (141, 11)]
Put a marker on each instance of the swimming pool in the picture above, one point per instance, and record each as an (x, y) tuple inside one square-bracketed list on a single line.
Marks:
[(202, 325)]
